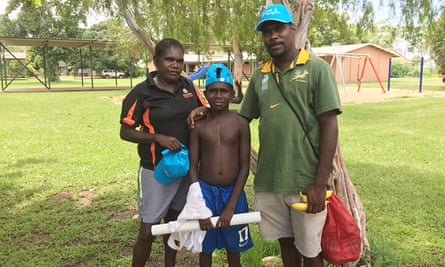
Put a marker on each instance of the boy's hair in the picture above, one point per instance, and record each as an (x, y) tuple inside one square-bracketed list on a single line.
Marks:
[(219, 73)]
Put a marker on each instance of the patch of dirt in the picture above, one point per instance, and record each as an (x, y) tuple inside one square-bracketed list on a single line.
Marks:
[(126, 214), (352, 96), (83, 198), (370, 95), (183, 258), (63, 196), (127, 251), (117, 100)]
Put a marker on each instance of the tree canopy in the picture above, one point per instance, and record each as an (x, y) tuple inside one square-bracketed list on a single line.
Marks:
[(228, 23), (438, 43)]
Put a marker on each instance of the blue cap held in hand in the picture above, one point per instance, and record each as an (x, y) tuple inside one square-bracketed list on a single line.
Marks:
[(277, 12), (172, 166), (219, 73)]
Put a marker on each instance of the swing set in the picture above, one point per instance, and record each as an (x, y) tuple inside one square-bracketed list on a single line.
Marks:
[(339, 58)]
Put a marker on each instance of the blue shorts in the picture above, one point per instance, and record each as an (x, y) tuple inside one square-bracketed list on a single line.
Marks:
[(235, 238)]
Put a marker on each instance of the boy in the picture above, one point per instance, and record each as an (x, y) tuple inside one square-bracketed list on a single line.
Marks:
[(219, 161)]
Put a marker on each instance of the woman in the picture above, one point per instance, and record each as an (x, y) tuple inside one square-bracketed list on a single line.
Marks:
[(154, 116)]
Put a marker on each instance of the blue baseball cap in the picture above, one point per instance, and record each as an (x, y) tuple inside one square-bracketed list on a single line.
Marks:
[(172, 166), (219, 73), (277, 12)]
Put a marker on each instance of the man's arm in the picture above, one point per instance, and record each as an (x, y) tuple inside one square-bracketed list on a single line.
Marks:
[(328, 143)]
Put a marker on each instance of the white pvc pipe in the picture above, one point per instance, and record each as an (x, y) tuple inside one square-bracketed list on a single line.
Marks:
[(168, 228)]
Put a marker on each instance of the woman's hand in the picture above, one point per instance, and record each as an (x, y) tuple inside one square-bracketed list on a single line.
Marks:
[(196, 114), (169, 142)]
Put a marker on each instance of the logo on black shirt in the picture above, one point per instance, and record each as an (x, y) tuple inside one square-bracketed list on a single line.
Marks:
[(186, 93)]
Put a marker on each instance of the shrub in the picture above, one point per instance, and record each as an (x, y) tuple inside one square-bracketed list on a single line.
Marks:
[(400, 70)]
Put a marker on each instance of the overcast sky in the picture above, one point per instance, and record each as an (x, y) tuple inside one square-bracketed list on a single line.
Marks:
[(3, 6)]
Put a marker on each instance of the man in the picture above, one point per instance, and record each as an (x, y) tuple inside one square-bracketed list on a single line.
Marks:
[(295, 95)]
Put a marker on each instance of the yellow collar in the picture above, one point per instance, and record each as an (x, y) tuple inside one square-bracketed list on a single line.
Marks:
[(303, 58)]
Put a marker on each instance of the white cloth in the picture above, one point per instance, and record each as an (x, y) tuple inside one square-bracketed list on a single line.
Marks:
[(194, 209)]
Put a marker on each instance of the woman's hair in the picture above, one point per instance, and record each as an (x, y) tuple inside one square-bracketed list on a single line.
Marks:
[(165, 44)]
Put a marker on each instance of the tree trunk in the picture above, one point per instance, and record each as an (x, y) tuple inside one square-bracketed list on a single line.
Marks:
[(237, 70), (145, 39), (238, 59), (341, 184), (302, 11)]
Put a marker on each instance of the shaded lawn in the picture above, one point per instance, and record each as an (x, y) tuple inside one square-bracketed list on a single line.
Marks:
[(68, 181)]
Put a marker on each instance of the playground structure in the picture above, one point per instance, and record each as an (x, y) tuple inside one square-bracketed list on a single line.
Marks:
[(350, 63), (86, 55), (200, 73), (44, 44), (341, 63), (339, 59)]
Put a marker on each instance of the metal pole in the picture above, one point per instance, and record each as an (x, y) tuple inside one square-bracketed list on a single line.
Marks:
[(421, 75), (81, 66), (377, 75), (1, 66), (115, 76), (389, 74), (91, 67), (47, 73)]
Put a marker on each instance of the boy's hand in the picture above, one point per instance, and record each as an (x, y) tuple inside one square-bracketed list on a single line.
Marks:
[(225, 218), (206, 224)]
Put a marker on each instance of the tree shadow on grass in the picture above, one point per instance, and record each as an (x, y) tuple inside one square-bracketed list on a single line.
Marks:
[(79, 227), (11, 175), (20, 164), (97, 226), (30, 161)]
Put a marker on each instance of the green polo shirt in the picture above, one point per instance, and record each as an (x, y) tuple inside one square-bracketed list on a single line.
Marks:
[(286, 160)]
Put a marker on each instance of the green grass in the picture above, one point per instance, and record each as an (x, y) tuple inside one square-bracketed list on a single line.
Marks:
[(393, 152), (68, 182)]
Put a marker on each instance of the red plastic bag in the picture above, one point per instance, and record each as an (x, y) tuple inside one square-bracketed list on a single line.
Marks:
[(340, 240)]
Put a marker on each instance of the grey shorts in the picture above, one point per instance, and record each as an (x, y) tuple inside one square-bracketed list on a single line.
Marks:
[(279, 220), (155, 199)]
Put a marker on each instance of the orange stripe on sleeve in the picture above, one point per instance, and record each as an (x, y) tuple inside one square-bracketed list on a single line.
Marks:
[(201, 97), (129, 118)]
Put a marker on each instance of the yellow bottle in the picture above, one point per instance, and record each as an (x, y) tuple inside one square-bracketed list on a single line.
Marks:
[(302, 206)]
